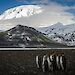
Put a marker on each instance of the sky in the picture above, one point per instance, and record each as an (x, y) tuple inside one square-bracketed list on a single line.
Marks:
[(5, 4), (55, 10)]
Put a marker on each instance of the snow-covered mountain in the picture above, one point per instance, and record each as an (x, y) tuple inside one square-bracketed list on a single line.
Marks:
[(51, 29), (38, 16), (61, 33), (21, 11), (23, 37), (26, 37)]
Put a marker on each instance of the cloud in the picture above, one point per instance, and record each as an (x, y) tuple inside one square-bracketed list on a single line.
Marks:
[(51, 14), (46, 2), (65, 2), (37, 2)]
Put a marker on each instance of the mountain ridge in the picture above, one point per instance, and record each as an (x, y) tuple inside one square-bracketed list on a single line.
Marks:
[(61, 33), (25, 37)]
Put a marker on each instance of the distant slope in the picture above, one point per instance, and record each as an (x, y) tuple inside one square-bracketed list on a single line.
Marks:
[(60, 33)]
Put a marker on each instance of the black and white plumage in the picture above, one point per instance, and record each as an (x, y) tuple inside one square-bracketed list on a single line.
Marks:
[(54, 62), (51, 58), (45, 64), (39, 61), (58, 62), (63, 62), (51, 62)]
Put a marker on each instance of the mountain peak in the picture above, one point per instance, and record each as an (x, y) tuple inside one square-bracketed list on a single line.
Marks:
[(22, 36), (59, 23), (19, 25), (21, 11)]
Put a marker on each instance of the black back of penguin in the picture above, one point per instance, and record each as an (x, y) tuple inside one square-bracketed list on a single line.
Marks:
[(40, 61), (46, 65), (64, 61), (54, 62)]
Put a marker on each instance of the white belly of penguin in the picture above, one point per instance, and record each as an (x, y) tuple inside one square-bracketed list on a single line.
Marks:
[(43, 66), (57, 62), (49, 64), (37, 60), (61, 63)]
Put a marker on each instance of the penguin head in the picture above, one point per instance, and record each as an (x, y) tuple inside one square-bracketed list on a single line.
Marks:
[(51, 57)]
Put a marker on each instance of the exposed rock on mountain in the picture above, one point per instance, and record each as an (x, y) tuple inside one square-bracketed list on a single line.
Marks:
[(25, 37)]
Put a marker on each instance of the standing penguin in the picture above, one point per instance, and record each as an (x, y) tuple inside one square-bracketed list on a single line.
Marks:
[(54, 61), (51, 61), (63, 62), (58, 66), (39, 61), (45, 64), (50, 66)]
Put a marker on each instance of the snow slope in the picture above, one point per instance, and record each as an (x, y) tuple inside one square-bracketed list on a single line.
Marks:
[(60, 33), (51, 29), (20, 11)]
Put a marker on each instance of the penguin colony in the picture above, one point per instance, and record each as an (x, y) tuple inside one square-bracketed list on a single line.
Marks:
[(51, 62)]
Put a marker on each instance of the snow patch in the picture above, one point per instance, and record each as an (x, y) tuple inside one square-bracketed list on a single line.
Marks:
[(21, 11)]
